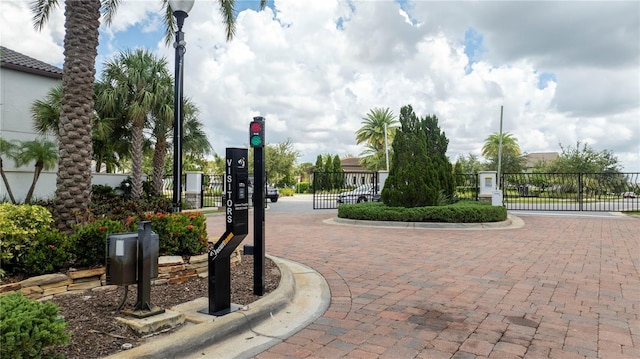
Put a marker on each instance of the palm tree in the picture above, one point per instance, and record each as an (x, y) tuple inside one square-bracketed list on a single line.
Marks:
[(44, 154), (374, 159), (372, 134), (194, 139), (45, 114), (138, 82), (372, 131), (73, 183), (82, 20), (509, 145), (7, 149), (512, 159)]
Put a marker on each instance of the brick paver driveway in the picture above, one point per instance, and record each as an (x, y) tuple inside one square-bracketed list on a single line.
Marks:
[(559, 287)]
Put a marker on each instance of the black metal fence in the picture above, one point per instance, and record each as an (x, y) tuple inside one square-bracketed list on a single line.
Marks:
[(212, 190), (467, 186), (608, 192), (330, 189), (328, 186)]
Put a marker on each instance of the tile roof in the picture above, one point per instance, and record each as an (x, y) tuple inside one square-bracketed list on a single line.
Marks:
[(536, 157), (17, 61)]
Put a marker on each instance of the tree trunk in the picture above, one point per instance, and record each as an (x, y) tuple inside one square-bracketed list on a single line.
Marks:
[(73, 183), (158, 163), (6, 183), (136, 160), (36, 175)]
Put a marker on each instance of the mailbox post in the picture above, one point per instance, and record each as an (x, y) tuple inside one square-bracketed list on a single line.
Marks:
[(133, 258), (236, 188)]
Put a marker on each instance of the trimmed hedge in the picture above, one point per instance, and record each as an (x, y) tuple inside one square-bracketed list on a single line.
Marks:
[(460, 212)]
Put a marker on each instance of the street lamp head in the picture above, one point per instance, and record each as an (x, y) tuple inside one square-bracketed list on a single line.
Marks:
[(181, 10)]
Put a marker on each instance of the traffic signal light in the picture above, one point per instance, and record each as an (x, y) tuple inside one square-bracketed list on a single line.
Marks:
[(256, 132)]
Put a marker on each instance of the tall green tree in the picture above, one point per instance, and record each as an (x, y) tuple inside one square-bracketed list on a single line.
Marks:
[(338, 174), (372, 134), (82, 21), (318, 177), (7, 150), (43, 153), (138, 80), (195, 143), (279, 163), (421, 174), (73, 182), (492, 143), (327, 182), (512, 159), (107, 148), (469, 164), (374, 159), (584, 159)]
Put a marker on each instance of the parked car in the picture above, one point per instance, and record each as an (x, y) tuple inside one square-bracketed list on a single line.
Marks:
[(364, 193), (272, 194), (628, 195)]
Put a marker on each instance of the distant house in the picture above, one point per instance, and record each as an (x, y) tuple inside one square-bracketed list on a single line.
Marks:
[(23, 80), (538, 158), (355, 174)]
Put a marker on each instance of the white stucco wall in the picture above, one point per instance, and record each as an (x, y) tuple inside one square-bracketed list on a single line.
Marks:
[(18, 91)]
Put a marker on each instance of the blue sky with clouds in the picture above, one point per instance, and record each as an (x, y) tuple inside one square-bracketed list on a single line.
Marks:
[(564, 71)]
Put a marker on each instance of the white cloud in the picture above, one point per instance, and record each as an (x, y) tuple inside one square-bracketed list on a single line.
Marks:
[(17, 32), (314, 69)]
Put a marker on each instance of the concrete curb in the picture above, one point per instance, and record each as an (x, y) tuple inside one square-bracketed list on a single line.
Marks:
[(196, 337), (512, 222)]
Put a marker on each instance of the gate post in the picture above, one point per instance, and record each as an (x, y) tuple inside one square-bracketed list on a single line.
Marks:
[(193, 192), (580, 192)]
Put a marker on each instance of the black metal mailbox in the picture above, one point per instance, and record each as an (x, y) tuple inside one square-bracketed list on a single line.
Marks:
[(122, 258)]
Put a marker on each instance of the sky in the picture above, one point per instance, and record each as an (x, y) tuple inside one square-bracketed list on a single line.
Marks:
[(563, 71)]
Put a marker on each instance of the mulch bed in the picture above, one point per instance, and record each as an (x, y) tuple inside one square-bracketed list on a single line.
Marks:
[(90, 316)]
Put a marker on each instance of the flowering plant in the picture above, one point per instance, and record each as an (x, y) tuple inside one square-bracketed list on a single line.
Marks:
[(183, 233)]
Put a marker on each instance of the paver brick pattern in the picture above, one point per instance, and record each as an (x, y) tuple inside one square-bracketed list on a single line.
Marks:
[(559, 287)]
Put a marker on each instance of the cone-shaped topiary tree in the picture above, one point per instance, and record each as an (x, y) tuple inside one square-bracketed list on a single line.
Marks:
[(421, 174)]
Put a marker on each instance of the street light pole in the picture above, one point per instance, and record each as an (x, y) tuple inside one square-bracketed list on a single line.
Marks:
[(181, 10)]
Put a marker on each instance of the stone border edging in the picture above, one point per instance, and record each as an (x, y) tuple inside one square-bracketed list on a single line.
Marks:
[(512, 222)]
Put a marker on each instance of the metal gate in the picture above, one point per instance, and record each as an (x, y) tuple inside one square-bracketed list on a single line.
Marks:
[(603, 192), (212, 190), (347, 187)]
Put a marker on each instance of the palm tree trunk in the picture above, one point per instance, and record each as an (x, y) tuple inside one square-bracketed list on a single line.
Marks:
[(36, 175), (158, 163), (136, 161), (73, 183), (6, 183)]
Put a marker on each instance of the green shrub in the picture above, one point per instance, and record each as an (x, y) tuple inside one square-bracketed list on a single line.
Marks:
[(183, 233), (116, 208), (29, 328), (88, 242), (460, 212), (303, 187), (286, 192), (49, 254), (19, 228)]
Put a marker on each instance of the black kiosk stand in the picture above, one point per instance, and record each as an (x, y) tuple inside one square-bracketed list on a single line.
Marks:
[(236, 180)]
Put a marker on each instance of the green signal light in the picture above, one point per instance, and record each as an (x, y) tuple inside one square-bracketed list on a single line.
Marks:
[(256, 141)]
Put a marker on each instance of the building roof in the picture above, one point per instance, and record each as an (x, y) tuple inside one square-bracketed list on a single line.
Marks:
[(537, 157), (352, 164), (16, 61)]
